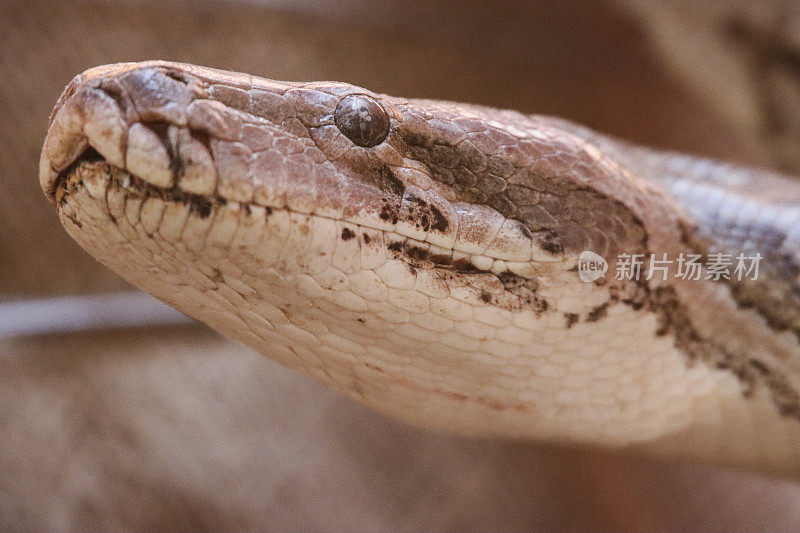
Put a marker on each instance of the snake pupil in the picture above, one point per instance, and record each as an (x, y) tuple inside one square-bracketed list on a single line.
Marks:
[(362, 120)]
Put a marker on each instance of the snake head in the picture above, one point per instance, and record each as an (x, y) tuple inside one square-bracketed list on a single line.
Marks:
[(418, 256), (341, 231)]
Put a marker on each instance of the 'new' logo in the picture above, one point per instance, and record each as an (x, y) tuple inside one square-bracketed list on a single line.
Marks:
[(591, 266)]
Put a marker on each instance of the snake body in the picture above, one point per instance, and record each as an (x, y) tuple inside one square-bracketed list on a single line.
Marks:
[(422, 256)]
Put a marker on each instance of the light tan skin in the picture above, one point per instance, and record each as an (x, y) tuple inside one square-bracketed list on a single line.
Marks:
[(430, 272)]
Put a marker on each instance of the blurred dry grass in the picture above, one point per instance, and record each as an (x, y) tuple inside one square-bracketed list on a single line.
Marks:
[(180, 429)]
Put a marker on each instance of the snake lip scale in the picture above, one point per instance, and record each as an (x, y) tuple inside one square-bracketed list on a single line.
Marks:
[(422, 256)]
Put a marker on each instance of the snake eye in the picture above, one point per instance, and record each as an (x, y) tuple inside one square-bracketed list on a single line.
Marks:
[(362, 120)]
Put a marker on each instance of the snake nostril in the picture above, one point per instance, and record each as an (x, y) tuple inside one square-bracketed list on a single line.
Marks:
[(362, 119)]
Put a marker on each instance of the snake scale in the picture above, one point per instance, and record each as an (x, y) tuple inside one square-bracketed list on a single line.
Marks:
[(425, 257)]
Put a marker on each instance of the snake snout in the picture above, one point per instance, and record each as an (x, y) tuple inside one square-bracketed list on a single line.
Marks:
[(137, 117)]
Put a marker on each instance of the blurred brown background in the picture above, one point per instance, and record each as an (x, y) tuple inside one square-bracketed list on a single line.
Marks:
[(178, 428)]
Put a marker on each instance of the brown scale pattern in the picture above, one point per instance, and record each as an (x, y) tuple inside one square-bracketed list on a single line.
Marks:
[(486, 166)]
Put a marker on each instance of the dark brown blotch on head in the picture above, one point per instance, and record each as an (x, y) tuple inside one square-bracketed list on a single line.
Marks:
[(388, 181), (362, 120), (388, 212), (439, 222), (347, 234), (551, 244), (540, 304), (441, 259), (759, 366), (415, 252), (417, 211), (634, 303), (176, 164), (412, 198), (572, 319), (370, 170), (161, 130), (396, 246), (511, 280), (200, 205), (597, 313), (464, 266)]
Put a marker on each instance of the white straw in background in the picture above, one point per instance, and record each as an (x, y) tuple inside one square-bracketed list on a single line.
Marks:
[(89, 312)]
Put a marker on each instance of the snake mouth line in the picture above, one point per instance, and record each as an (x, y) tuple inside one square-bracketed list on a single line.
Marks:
[(65, 182), (416, 254)]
